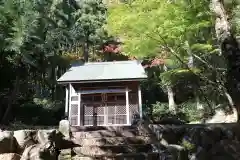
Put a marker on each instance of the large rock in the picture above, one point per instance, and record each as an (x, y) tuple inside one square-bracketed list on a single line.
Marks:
[(178, 152), (226, 150), (8, 143), (25, 138), (222, 116), (40, 152), (65, 143), (64, 128), (55, 137), (203, 137), (10, 156), (167, 134), (44, 136), (201, 154)]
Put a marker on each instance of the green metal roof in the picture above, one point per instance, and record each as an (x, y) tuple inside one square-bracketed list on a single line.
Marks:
[(104, 71)]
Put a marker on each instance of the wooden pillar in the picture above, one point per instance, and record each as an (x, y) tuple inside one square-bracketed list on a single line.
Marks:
[(140, 100), (127, 107), (69, 104), (79, 109), (105, 113), (67, 100)]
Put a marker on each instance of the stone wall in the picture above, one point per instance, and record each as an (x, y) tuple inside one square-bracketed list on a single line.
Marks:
[(202, 142), (193, 142), (180, 142), (27, 144)]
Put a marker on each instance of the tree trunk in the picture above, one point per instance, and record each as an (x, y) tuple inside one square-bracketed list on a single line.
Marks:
[(53, 82), (86, 51), (171, 101), (191, 65), (230, 49)]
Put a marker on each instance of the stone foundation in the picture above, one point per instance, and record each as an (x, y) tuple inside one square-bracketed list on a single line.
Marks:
[(145, 141)]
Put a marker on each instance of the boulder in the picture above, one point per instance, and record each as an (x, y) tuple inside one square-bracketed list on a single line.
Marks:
[(225, 150), (8, 143), (201, 154), (178, 152), (65, 154), (44, 136), (56, 138), (64, 128), (25, 138), (10, 156), (40, 152), (222, 116), (203, 137)]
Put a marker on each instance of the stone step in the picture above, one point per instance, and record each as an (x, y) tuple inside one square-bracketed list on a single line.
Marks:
[(111, 133), (128, 156), (113, 140), (125, 152), (112, 149)]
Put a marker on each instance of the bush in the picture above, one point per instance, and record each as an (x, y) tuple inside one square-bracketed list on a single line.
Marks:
[(39, 112), (190, 110), (186, 112)]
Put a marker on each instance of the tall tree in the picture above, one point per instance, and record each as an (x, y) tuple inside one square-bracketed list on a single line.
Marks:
[(90, 19), (36, 35), (161, 28), (230, 48)]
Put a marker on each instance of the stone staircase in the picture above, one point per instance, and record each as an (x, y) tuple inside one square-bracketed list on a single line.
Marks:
[(114, 143), (154, 142)]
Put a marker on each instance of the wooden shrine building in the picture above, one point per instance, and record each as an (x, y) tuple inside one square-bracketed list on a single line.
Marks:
[(103, 93)]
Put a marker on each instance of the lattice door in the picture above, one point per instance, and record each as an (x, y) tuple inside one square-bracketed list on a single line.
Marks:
[(93, 114), (104, 112), (116, 113), (88, 114)]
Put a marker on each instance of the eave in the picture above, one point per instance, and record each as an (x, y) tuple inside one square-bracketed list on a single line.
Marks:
[(98, 81)]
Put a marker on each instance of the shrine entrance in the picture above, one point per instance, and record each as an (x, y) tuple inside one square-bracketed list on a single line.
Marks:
[(104, 109)]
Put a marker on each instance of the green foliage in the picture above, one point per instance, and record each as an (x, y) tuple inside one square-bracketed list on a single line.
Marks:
[(160, 109), (175, 31), (168, 22), (39, 39), (186, 111), (187, 145), (202, 47), (48, 103), (172, 77), (233, 6), (35, 35), (191, 111), (39, 113), (90, 19)]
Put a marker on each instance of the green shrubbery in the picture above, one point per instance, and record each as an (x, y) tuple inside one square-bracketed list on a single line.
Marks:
[(39, 112), (186, 112)]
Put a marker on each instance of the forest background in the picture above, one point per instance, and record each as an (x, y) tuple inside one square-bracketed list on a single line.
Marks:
[(189, 49)]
